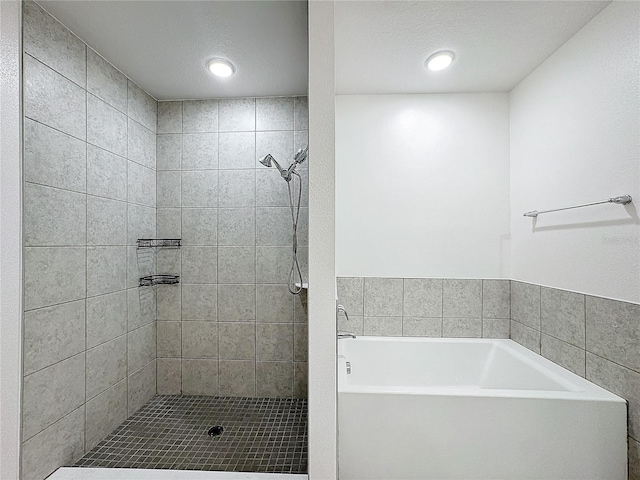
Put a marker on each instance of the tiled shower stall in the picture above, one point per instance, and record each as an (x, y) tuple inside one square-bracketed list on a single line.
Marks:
[(105, 164)]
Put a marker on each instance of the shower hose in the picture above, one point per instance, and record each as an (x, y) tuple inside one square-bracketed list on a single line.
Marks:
[(295, 275)]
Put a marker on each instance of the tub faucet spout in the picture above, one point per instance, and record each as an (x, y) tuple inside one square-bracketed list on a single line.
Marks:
[(346, 335)]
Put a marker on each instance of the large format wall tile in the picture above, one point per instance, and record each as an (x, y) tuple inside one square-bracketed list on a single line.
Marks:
[(169, 117), (106, 317), (525, 304), (274, 379), (141, 347), (141, 387), (564, 354), (54, 158), (383, 297), (105, 81), (237, 378), (237, 303), (200, 151), (49, 41), (52, 393), (141, 107), (106, 174), (462, 298), (200, 116), (106, 366), (237, 150), (351, 294), (562, 315), (422, 297), (105, 413), (169, 376), (141, 144), (237, 114), (462, 327), (106, 270), (106, 221), (200, 377), (496, 299), (106, 126), (274, 113), (168, 152), (526, 336)]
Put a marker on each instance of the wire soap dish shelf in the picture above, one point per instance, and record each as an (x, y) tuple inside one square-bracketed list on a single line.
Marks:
[(151, 280), (159, 242)]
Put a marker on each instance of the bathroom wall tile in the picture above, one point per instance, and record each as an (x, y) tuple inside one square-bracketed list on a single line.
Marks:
[(301, 307), (237, 150), (199, 226), (105, 82), (562, 315), (105, 413), (634, 459), (421, 327), (141, 347), (200, 377), (52, 334), (236, 226), (168, 185), (106, 365), (383, 297), (141, 222), (301, 140), (301, 113), (237, 378), (106, 221), (422, 297), (60, 444), (273, 264), (274, 113), (141, 144), (496, 328), (354, 325), (200, 116), (274, 379), (274, 342), (200, 188), (141, 387), (142, 107), (613, 331), (169, 302), (50, 42), (462, 327), (237, 341), (106, 317), (52, 99), (106, 174), (236, 115), (526, 336), (621, 381), (53, 275), (351, 294), (525, 304), (53, 217), (273, 226), (278, 144), (140, 263), (199, 340), (141, 309), (274, 304), (169, 261), (52, 393), (168, 152), (169, 117), (236, 303), (383, 326), (462, 298), (300, 342), (106, 126), (142, 185), (199, 302), (169, 223), (496, 299), (53, 158), (169, 339), (564, 354), (199, 151), (237, 264), (106, 270), (300, 379), (271, 189), (199, 264), (237, 188), (169, 376)]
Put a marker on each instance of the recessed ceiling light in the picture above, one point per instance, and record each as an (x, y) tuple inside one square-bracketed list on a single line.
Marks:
[(221, 67), (439, 61)]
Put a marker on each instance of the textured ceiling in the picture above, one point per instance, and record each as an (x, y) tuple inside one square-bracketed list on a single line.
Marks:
[(163, 45), (381, 46)]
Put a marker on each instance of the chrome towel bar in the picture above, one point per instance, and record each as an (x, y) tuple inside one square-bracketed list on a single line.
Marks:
[(621, 200)]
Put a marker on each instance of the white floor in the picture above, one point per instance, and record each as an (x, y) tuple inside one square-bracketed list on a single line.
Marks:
[(77, 473)]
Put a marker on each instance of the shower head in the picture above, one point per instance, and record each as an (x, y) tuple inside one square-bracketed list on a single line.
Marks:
[(267, 160), (301, 155)]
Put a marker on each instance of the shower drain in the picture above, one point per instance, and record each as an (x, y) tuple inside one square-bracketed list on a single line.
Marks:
[(215, 431)]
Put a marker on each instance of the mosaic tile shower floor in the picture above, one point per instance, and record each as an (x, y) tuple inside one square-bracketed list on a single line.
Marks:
[(171, 432)]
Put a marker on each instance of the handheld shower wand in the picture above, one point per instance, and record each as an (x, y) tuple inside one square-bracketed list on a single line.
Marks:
[(295, 274)]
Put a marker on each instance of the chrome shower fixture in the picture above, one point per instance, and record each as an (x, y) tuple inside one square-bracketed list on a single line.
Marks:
[(300, 157)]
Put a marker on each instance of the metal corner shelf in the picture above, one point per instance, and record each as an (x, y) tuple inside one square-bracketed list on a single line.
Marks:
[(159, 242), (151, 280)]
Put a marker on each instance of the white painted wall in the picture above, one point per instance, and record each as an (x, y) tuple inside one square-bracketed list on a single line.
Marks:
[(575, 138), (422, 185), (10, 238), (323, 430)]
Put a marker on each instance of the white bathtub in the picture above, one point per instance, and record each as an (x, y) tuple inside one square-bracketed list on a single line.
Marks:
[(468, 409)]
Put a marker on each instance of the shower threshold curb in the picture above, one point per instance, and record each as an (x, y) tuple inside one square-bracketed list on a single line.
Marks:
[(80, 473)]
